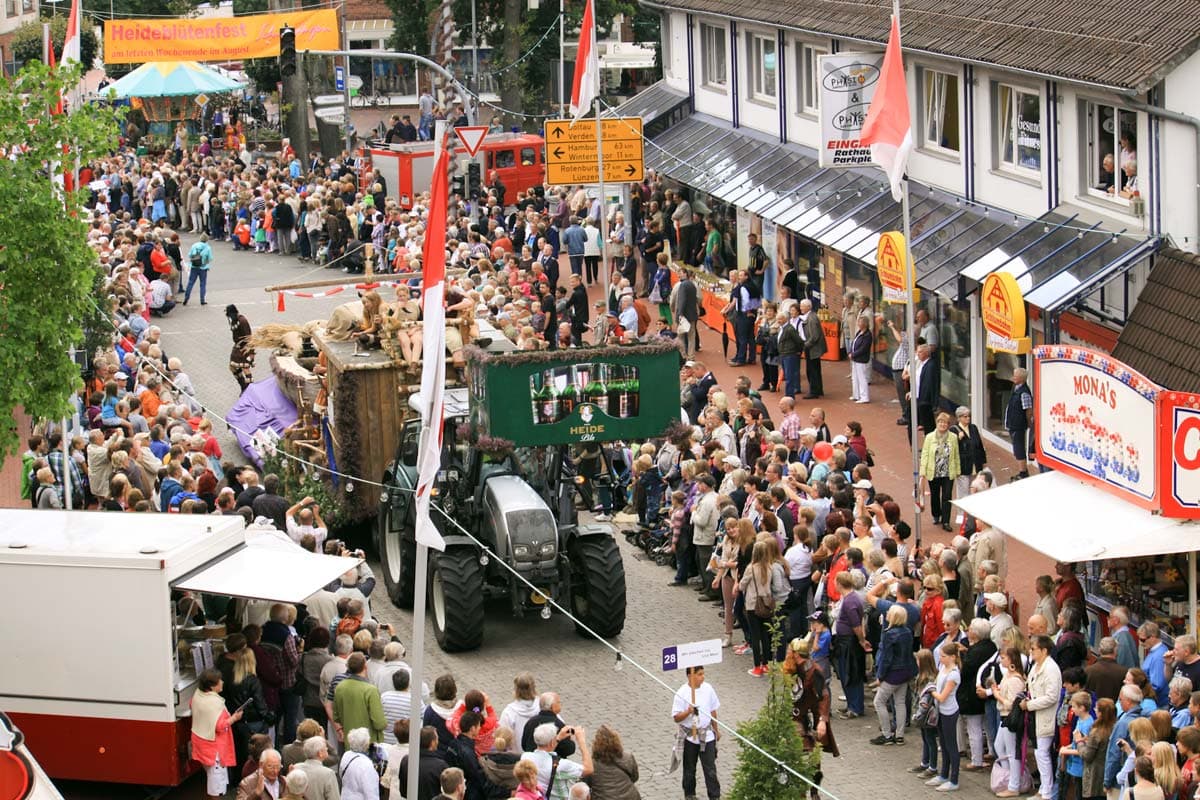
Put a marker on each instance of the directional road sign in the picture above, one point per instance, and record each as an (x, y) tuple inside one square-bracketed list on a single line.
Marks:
[(329, 99), (571, 155)]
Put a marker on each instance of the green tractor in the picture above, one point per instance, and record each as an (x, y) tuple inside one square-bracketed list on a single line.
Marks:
[(506, 478)]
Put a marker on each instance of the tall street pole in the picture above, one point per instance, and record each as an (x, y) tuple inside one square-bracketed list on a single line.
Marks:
[(562, 55), (909, 325), (603, 204)]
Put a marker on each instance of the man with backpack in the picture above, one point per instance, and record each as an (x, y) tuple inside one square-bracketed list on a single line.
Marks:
[(200, 259)]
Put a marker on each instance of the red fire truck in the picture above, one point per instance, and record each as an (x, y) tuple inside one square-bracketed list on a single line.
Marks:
[(519, 158)]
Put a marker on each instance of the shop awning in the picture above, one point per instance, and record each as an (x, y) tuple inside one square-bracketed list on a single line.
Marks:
[(1073, 521), (843, 209), (1055, 259), (654, 103), (267, 573)]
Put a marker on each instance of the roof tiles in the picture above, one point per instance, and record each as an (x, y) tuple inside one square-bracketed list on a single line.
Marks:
[(1124, 44)]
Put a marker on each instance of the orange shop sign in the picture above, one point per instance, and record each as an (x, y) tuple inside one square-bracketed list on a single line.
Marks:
[(890, 257), (129, 41), (1003, 308)]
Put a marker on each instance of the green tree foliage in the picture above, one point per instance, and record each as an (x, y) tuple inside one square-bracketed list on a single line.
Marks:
[(412, 20), (44, 247), (755, 775), (27, 41)]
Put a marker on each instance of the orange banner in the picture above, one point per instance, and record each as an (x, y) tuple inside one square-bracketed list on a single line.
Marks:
[(128, 41)]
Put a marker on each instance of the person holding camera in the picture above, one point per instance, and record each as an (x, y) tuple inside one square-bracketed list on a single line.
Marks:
[(556, 774), (305, 518)]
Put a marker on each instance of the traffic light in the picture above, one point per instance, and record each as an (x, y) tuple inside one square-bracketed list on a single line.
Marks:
[(287, 51), (473, 182), (457, 185)]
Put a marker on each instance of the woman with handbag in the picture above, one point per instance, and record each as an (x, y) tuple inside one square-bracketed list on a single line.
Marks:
[(768, 345), (1010, 739), (212, 736), (980, 649), (765, 588)]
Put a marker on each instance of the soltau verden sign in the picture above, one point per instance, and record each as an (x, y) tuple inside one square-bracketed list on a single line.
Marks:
[(848, 82), (1097, 419)]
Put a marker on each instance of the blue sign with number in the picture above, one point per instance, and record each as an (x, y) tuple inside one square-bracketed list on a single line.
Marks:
[(339, 78), (670, 658)]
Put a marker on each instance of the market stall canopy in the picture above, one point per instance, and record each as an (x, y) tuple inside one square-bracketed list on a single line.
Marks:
[(1090, 525), (172, 79), (267, 573)]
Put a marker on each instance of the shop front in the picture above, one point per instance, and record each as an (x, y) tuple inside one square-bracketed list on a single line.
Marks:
[(828, 223), (1122, 500)]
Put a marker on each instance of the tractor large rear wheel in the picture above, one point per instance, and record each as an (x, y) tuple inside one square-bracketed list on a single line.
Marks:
[(598, 585), (456, 599)]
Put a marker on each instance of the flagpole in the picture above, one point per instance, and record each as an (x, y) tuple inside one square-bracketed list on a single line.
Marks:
[(909, 331), (604, 267), (429, 437)]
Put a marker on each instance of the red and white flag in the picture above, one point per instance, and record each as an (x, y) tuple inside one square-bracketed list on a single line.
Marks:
[(433, 368), (888, 129), (586, 87), (71, 53)]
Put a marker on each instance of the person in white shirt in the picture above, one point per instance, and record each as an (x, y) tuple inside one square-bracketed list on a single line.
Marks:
[(523, 708), (300, 522), (360, 781), (695, 712), (161, 297), (566, 772)]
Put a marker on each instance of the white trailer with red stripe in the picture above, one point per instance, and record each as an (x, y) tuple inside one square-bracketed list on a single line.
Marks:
[(90, 668)]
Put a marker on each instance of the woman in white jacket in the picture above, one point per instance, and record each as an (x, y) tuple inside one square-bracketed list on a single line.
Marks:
[(1045, 693)]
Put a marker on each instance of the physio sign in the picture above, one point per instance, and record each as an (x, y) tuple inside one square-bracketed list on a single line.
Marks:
[(1003, 307), (848, 82), (131, 41), (1179, 453), (896, 277)]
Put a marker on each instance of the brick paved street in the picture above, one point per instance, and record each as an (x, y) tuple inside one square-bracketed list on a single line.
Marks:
[(582, 670)]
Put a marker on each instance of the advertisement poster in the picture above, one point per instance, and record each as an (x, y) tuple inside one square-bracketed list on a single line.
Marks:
[(133, 41), (743, 230), (770, 245), (848, 82), (1097, 419)]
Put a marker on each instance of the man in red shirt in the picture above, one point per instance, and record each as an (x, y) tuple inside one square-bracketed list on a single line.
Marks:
[(1066, 585)]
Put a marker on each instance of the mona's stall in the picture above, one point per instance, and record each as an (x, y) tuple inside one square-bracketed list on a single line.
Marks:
[(1119, 491)]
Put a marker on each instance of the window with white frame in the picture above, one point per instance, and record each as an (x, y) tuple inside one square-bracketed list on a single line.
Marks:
[(1111, 149), (712, 56), (808, 79), (940, 109), (760, 66), (1019, 128)]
